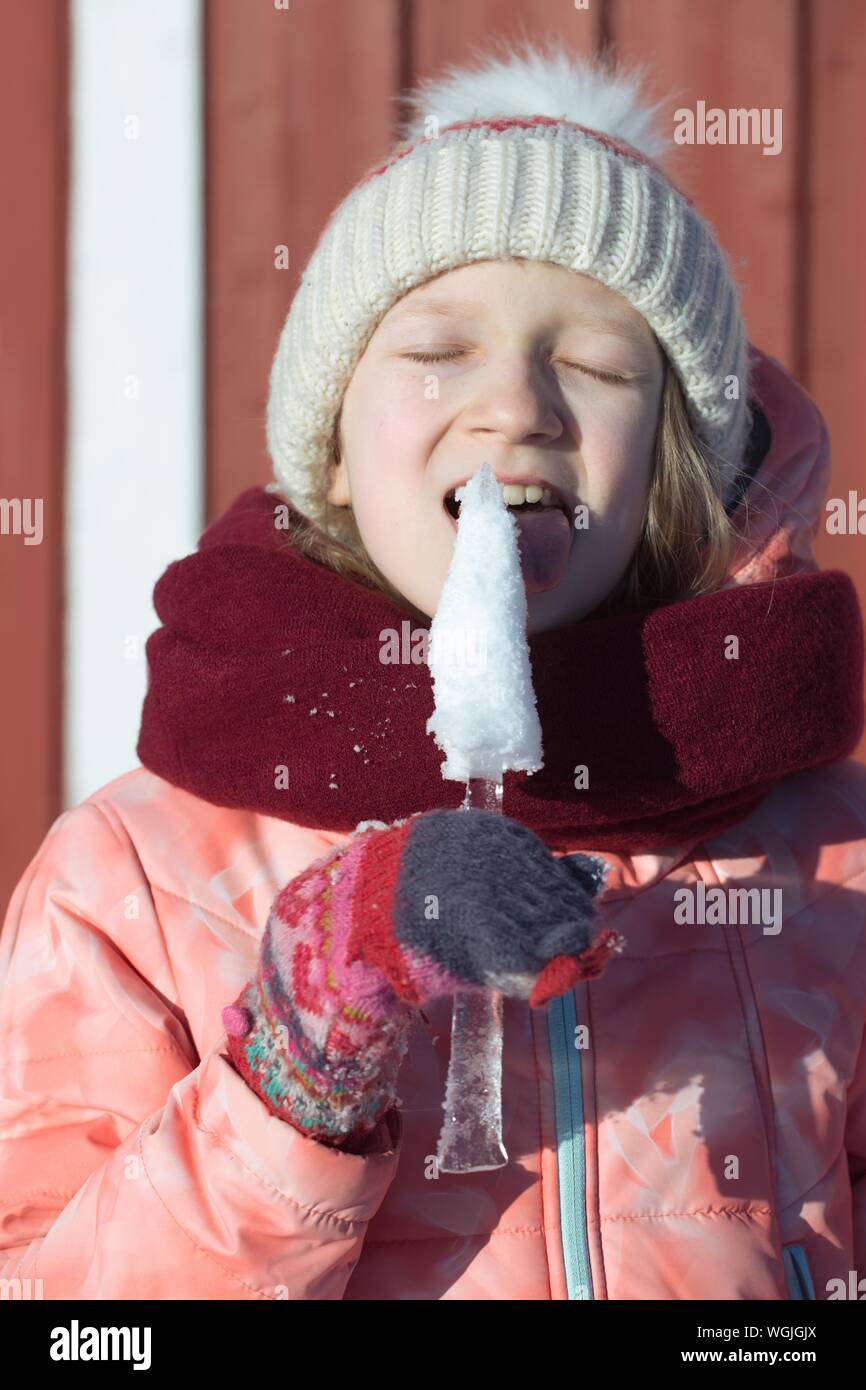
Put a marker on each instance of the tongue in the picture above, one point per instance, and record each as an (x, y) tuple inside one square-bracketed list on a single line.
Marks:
[(543, 542)]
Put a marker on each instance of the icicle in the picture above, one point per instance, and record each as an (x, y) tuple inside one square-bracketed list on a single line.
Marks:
[(486, 722)]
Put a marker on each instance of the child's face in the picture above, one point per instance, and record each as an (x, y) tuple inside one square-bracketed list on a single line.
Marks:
[(512, 386)]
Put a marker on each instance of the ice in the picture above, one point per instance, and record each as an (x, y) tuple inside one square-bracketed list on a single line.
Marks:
[(485, 719), (471, 1138), (486, 722)]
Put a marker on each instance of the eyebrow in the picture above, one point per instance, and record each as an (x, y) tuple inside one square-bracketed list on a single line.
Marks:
[(582, 318)]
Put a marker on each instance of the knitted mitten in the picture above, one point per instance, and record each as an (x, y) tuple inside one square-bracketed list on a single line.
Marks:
[(441, 902)]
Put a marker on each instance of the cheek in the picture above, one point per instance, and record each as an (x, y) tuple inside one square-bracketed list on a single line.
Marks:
[(377, 504), (382, 499), (387, 423), (618, 448), (389, 429)]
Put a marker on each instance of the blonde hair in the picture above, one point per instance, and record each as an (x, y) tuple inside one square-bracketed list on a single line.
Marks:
[(684, 547), (687, 537)]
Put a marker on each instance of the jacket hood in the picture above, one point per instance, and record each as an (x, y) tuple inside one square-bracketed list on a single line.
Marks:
[(782, 491), (786, 478)]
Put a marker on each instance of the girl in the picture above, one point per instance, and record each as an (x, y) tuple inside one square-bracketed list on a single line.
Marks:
[(225, 1006)]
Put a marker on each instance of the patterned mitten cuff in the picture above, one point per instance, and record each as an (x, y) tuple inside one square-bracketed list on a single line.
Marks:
[(318, 1034)]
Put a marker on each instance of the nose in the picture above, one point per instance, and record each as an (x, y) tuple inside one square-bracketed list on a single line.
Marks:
[(514, 402)]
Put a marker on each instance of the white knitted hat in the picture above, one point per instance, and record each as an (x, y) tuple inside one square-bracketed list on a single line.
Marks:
[(539, 155)]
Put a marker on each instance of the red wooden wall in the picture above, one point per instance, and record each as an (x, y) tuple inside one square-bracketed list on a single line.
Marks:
[(34, 55), (298, 102)]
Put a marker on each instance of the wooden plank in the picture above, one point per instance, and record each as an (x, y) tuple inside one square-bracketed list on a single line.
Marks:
[(734, 55), (298, 104), (34, 157), (446, 31), (833, 333)]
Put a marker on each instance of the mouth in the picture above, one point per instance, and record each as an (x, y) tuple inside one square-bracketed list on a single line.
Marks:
[(523, 498), (544, 529)]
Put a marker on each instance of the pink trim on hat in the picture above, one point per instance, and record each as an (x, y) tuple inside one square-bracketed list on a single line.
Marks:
[(527, 122)]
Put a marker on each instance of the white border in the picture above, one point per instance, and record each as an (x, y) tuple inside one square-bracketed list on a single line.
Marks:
[(134, 467)]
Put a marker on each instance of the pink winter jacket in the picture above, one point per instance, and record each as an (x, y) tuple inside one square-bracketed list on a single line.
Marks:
[(708, 1142)]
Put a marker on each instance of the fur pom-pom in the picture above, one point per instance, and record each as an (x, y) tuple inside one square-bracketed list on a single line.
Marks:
[(542, 80)]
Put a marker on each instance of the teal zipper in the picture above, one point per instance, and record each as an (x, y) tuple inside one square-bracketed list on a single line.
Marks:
[(797, 1275), (570, 1144)]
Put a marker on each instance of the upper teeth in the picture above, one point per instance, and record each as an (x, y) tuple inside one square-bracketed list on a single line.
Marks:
[(515, 494)]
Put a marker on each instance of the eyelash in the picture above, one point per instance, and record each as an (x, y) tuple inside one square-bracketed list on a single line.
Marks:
[(430, 357)]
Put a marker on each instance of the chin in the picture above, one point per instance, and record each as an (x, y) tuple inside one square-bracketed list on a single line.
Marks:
[(415, 607), (553, 609)]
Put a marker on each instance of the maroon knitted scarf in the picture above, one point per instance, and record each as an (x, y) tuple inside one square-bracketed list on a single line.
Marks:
[(266, 692)]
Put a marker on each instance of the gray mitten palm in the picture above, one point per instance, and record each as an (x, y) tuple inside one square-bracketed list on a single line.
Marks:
[(485, 899)]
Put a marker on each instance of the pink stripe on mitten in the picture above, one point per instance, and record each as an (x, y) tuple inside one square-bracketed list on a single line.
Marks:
[(319, 1036)]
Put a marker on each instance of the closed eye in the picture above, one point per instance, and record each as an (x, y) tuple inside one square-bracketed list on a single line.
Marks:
[(430, 357), (596, 372), (435, 356)]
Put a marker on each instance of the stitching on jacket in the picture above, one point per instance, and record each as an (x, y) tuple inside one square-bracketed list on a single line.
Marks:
[(229, 1274), (770, 1136), (459, 1235), (834, 888), (345, 1224), (65, 1197), (106, 1052), (769, 1120), (773, 1155), (11, 1202), (99, 806), (208, 911), (796, 1202), (747, 1209), (662, 955)]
